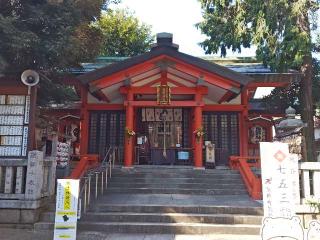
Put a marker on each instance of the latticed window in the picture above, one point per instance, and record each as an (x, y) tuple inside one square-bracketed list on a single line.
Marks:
[(222, 129), (106, 129)]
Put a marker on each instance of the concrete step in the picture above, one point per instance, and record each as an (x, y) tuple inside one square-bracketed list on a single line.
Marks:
[(177, 175), (172, 218), (162, 217), (167, 190), (160, 228), (172, 169), (192, 209), (173, 180), (170, 185)]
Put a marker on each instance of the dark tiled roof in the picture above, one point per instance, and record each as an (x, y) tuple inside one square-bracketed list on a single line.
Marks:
[(169, 51)]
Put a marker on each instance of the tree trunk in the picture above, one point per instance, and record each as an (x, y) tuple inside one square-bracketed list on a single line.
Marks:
[(308, 111), (306, 84)]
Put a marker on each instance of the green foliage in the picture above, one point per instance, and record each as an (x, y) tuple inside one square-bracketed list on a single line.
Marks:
[(282, 98), (123, 34), (51, 92), (46, 35), (314, 204), (49, 36), (279, 29)]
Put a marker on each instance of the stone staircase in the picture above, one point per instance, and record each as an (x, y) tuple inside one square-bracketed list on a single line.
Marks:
[(170, 200)]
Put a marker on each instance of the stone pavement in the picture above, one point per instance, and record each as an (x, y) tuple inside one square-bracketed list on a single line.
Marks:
[(28, 234)]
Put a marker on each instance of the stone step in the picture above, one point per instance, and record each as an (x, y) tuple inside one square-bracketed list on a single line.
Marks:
[(171, 201), (170, 185), (170, 168), (165, 190), (176, 175), (160, 228), (172, 218), (173, 180), (192, 209), (162, 217)]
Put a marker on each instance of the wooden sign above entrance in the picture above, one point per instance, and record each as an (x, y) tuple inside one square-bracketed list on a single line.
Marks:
[(163, 95)]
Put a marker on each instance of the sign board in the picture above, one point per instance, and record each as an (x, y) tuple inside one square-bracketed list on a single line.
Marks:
[(65, 226), (280, 180), (210, 154), (14, 129), (163, 95)]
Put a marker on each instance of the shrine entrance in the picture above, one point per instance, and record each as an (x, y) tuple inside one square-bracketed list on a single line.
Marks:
[(163, 95), (163, 136)]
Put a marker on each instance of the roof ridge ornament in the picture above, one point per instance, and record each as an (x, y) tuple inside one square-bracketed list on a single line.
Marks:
[(165, 39)]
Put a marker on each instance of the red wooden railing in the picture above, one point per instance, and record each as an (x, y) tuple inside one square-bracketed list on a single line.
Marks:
[(244, 165), (86, 162)]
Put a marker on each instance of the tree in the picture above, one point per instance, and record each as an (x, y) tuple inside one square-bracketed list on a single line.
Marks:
[(123, 34), (49, 36), (281, 98), (281, 31)]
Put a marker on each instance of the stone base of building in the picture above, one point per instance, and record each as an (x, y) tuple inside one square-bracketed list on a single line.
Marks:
[(22, 211)]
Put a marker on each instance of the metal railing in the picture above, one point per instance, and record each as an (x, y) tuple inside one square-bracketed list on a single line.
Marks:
[(90, 184)]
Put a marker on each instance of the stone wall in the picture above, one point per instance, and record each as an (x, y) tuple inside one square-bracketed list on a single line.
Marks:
[(28, 187)]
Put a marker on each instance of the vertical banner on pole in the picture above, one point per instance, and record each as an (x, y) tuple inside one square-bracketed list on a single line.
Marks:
[(65, 226), (280, 185), (279, 172)]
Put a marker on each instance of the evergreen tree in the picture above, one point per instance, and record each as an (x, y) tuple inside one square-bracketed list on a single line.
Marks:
[(49, 36), (280, 29)]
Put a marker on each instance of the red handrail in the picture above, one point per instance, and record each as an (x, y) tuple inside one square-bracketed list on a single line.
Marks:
[(252, 182), (86, 162)]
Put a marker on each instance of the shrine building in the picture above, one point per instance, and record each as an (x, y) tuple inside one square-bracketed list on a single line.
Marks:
[(164, 106)]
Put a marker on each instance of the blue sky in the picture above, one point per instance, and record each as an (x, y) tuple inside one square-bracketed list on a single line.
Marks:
[(174, 16)]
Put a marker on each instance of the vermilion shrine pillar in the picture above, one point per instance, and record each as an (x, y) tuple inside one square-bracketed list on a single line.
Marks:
[(244, 124), (84, 122), (128, 145), (198, 128)]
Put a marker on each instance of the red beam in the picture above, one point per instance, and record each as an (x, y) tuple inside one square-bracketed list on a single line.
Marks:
[(184, 78), (159, 80), (175, 82), (127, 73), (174, 90), (149, 84), (226, 97), (145, 75), (172, 104), (15, 90), (195, 71), (213, 79), (145, 78), (224, 108), (86, 162), (149, 65), (101, 96)]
